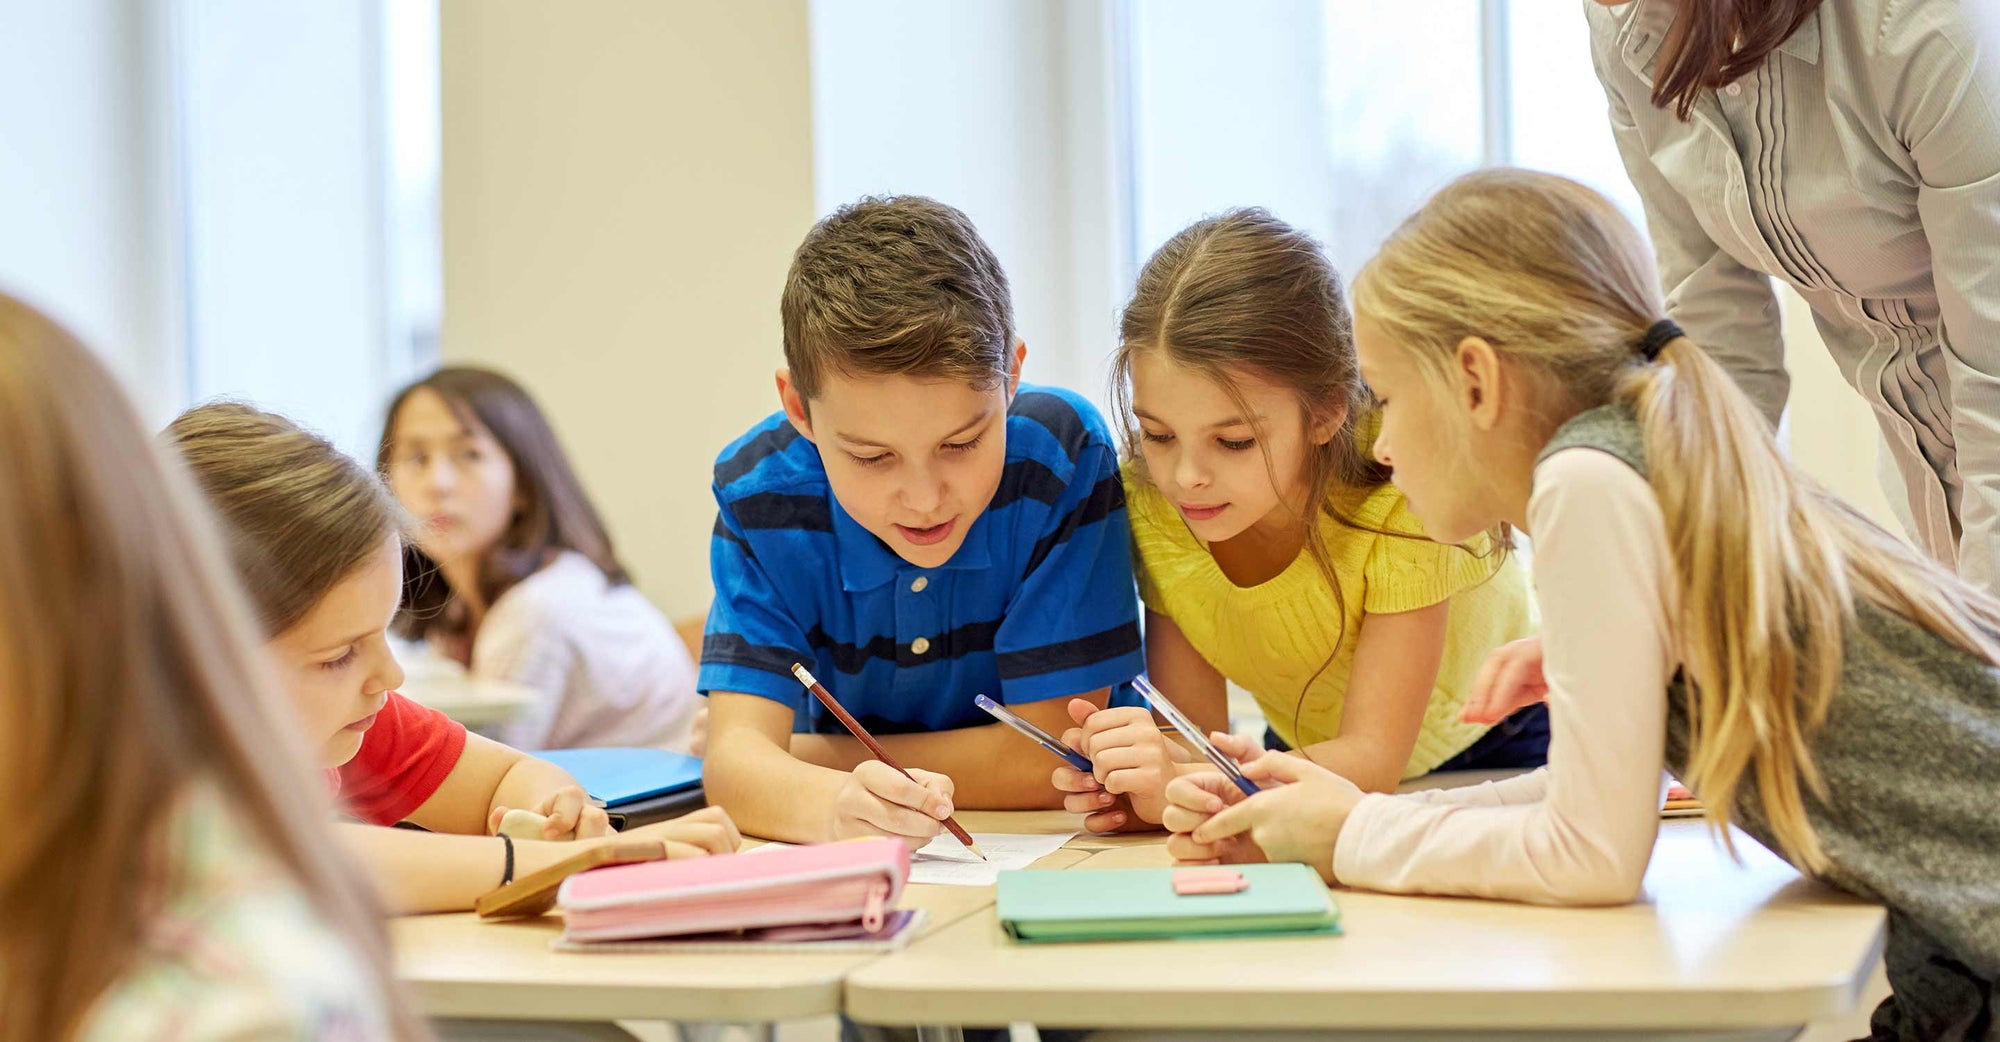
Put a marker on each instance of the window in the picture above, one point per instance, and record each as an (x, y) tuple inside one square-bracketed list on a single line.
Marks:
[(307, 145), (1342, 117)]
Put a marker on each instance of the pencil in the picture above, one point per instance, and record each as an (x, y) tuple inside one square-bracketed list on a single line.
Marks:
[(826, 698)]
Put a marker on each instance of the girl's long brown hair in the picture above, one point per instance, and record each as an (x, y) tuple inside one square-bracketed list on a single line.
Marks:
[(1768, 565), (300, 516), (1713, 43), (555, 513), (1245, 293), (130, 673)]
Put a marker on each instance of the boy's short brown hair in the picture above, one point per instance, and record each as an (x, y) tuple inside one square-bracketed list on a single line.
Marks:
[(901, 284)]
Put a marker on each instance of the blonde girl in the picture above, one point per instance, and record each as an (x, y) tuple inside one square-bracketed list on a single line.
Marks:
[(1271, 550), (1706, 609), (166, 872)]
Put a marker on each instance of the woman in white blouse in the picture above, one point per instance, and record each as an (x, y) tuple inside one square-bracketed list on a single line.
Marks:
[(1852, 149)]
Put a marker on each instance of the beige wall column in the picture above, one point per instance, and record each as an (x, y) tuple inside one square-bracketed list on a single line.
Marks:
[(624, 182)]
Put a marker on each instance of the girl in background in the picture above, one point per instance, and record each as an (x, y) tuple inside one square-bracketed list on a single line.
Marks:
[(513, 575)]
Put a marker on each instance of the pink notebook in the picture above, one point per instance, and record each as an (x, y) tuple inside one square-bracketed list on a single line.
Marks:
[(853, 882)]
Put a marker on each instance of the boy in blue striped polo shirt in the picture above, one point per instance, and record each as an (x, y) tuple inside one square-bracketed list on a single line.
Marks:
[(917, 527)]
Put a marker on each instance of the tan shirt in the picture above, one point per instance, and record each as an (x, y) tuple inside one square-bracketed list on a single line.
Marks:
[(1861, 164)]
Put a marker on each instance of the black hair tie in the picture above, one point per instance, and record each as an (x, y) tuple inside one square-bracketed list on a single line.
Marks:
[(1658, 335)]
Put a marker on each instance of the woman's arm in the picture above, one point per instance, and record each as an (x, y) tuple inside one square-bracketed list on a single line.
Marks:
[(1725, 307), (1941, 67)]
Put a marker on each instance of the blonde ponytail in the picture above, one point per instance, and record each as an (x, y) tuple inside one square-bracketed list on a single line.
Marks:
[(1765, 593)]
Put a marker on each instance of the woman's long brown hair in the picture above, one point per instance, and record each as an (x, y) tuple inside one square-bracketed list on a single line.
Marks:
[(555, 513), (131, 673), (1715, 42)]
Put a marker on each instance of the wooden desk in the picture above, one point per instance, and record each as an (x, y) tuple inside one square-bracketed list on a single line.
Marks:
[(457, 966), (1712, 950)]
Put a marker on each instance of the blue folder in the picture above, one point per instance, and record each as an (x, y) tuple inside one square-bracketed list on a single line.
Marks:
[(618, 776)]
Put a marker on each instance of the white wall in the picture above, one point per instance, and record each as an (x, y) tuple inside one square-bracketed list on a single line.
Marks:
[(1000, 108), (624, 183), (80, 176)]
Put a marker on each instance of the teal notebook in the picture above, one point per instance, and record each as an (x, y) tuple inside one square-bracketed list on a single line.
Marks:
[(617, 776), (1140, 903)]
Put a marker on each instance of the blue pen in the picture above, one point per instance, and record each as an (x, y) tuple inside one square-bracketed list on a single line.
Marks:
[(1222, 761), (1041, 737)]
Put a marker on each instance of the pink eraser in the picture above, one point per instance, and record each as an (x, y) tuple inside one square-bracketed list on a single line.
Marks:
[(1209, 881)]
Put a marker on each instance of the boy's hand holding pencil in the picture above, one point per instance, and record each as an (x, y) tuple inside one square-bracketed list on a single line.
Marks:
[(881, 797), (878, 800)]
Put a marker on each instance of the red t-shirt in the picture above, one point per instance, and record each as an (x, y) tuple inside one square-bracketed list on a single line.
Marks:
[(404, 757)]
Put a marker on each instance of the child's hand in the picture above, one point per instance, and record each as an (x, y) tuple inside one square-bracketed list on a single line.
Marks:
[(570, 815), (1082, 792), (1130, 756), (1237, 747), (1191, 799), (1511, 679), (876, 800), (1102, 811), (1297, 817), (704, 832)]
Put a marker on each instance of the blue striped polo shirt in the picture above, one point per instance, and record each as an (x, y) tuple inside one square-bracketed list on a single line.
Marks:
[(1037, 603)]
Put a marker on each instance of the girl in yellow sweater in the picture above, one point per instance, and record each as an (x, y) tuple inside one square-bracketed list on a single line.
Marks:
[(1272, 551)]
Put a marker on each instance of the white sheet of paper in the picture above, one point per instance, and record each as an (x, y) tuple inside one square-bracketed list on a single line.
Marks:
[(945, 860)]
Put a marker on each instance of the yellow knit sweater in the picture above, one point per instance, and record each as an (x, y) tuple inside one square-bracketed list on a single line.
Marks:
[(1271, 638)]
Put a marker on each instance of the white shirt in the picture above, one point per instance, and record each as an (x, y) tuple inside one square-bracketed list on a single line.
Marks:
[(1860, 163), (1580, 830), (609, 668)]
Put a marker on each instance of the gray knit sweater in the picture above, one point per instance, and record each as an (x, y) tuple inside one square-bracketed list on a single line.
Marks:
[(1910, 752)]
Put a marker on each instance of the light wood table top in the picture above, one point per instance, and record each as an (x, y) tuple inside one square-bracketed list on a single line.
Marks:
[(458, 966), (1711, 947)]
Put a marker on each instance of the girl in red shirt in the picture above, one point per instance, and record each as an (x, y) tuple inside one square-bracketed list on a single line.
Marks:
[(319, 544)]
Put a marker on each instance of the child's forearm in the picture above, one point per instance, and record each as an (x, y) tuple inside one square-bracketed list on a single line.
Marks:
[(991, 767), (770, 792), (1361, 761), (529, 782), (416, 872)]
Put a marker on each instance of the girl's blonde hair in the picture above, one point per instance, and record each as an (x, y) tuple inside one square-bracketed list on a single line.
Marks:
[(131, 674), (1767, 564), (1245, 293)]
